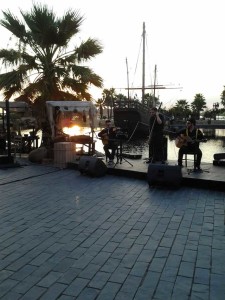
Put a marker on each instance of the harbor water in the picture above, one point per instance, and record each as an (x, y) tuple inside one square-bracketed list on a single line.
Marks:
[(215, 144)]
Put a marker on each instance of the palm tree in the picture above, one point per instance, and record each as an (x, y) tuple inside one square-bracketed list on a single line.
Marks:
[(100, 103), (181, 109), (198, 105), (42, 65), (109, 97)]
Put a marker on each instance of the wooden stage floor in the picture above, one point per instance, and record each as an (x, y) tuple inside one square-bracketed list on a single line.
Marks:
[(211, 176)]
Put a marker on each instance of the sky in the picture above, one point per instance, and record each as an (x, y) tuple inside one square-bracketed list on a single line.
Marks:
[(184, 39)]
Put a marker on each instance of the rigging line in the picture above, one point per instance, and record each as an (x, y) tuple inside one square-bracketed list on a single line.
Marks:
[(136, 129), (137, 62), (146, 41), (133, 132)]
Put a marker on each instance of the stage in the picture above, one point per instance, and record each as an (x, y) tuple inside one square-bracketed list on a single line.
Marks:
[(211, 177)]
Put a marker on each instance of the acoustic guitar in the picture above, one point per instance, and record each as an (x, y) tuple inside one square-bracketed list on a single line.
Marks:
[(183, 140), (105, 139)]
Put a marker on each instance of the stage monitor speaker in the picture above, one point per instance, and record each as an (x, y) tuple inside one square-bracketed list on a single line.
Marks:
[(164, 175), (92, 166), (218, 156)]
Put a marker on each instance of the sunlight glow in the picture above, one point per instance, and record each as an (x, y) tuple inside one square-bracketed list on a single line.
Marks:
[(75, 130)]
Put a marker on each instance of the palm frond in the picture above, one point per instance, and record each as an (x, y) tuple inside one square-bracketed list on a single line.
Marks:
[(69, 26), (88, 49), (42, 24), (9, 57), (87, 76), (12, 23), (10, 79)]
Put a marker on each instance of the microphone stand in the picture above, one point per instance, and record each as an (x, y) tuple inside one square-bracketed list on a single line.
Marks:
[(151, 132)]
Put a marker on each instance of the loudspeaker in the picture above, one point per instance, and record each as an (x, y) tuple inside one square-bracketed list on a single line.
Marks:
[(160, 174), (219, 159), (6, 159), (92, 166), (218, 156)]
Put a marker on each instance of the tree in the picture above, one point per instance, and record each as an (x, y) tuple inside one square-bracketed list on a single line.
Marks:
[(198, 104), (109, 97), (42, 65), (181, 110), (100, 103), (222, 97), (150, 100)]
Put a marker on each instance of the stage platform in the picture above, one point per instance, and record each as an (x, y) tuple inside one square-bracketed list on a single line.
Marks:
[(212, 176)]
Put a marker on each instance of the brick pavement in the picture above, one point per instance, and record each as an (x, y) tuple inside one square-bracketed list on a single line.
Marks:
[(67, 236)]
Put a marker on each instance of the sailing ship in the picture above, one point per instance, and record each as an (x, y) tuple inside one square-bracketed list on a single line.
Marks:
[(133, 115)]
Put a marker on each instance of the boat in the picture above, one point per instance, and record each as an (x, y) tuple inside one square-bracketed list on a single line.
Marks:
[(131, 114)]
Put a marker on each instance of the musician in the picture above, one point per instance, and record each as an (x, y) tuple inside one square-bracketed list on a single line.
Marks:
[(189, 140), (108, 136), (156, 125)]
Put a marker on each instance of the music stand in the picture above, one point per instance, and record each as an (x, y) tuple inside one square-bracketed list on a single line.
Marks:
[(119, 155)]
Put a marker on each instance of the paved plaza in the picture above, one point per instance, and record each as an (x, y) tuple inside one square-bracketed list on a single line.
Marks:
[(69, 236)]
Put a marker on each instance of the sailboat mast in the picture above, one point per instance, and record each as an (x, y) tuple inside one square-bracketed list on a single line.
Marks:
[(143, 65), (154, 102), (128, 85)]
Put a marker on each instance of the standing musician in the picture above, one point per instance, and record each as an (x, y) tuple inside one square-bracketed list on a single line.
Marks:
[(156, 125), (108, 136), (188, 142)]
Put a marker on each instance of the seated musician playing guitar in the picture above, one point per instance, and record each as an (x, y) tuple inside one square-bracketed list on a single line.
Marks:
[(188, 141), (108, 136)]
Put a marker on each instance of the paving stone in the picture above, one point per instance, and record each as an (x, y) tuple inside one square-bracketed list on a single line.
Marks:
[(75, 288), (109, 291), (7, 285), (88, 294), (54, 291), (99, 280), (217, 287), (89, 271), (186, 269), (148, 286), (139, 269), (164, 290), (202, 276), (49, 279), (34, 293), (119, 275), (24, 272)]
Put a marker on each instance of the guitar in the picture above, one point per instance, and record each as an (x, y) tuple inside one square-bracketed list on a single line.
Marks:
[(183, 140), (105, 139)]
